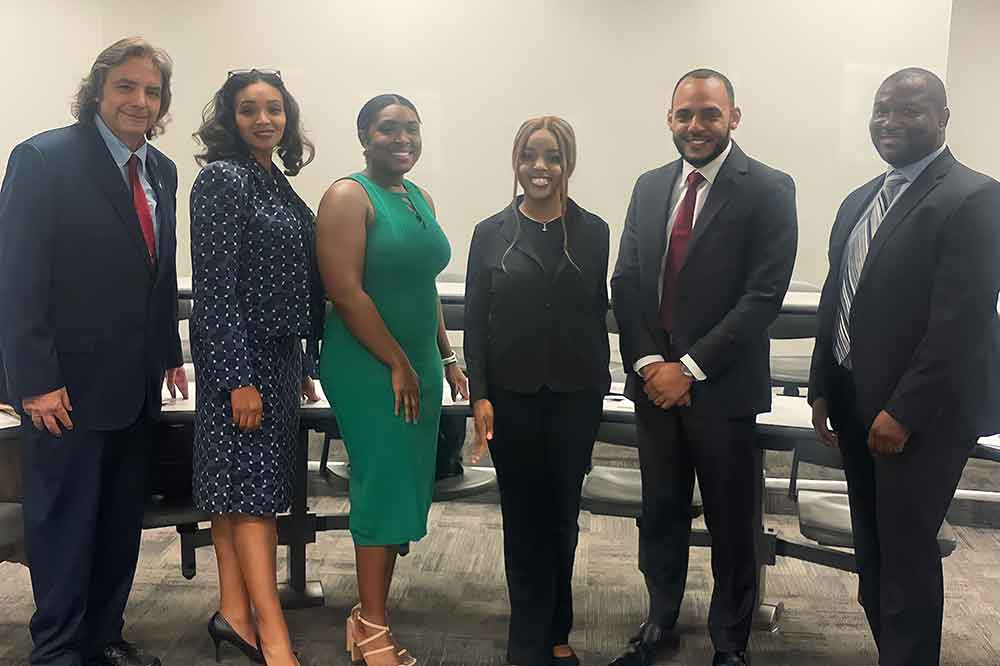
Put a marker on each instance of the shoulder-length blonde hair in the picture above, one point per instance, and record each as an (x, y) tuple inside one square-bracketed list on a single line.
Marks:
[(566, 142), (88, 96)]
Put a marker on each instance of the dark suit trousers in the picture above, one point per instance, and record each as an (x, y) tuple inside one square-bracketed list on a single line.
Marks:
[(83, 506), (674, 444), (541, 448), (897, 506)]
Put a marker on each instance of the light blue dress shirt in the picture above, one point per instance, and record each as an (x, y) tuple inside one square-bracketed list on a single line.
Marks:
[(911, 172), (121, 154)]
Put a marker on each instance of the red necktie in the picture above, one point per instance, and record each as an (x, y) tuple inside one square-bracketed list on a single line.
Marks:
[(142, 207), (677, 249)]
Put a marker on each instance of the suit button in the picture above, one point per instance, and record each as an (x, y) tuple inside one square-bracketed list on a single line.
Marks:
[(548, 306)]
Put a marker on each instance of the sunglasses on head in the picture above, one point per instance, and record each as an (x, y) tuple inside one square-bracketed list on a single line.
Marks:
[(255, 70)]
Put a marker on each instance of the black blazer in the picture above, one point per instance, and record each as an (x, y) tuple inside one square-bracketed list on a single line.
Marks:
[(81, 305), (524, 331), (732, 282), (924, 329)]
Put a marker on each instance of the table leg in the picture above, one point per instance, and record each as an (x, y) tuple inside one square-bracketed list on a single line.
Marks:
[(768, 614), (298, 592)]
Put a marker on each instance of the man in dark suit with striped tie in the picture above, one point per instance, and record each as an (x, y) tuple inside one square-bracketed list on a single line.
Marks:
[(88, 331), (905, 363)]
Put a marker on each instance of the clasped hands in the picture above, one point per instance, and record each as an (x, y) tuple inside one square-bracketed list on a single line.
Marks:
[(666, 385), (886, 437)]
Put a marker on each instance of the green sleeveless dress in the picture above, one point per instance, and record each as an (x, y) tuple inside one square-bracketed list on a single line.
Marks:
[(392, 462)]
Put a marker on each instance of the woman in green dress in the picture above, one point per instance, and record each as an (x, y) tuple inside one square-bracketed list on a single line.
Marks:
[(385, 350)]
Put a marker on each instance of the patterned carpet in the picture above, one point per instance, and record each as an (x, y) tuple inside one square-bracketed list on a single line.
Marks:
[(449, 599)]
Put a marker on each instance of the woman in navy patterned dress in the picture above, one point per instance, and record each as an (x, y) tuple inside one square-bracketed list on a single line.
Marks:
[(256, 296)]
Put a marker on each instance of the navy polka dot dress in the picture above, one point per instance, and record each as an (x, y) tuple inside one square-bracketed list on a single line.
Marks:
[(256, 296)]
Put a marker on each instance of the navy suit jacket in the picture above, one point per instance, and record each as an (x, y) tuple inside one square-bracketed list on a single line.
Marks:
[(81, 305), (925, 338), (730, 288)]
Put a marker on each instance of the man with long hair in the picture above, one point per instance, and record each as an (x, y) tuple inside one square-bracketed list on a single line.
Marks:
[(88, 331)]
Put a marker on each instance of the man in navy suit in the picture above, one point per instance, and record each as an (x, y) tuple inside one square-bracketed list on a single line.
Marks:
[(905, 366), (88, 331)]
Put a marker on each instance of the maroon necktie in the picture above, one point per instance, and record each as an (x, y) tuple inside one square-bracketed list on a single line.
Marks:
[(142, 207), (677, 249)]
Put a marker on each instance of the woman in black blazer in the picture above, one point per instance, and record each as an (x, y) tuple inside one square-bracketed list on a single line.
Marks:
[(536, 347)]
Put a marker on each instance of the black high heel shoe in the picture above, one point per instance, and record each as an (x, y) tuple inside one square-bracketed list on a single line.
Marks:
[(220, 631)]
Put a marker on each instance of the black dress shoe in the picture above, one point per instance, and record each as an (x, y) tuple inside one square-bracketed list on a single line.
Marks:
[(731, 659), (125, 654), (221, 631), (651, 642)]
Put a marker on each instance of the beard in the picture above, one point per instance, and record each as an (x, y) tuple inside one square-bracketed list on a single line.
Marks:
[(699, 162)]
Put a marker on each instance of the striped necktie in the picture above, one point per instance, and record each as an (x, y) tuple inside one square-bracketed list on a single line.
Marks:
[(854, 261)]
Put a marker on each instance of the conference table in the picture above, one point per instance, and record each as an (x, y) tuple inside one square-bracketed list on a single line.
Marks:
[(779, 429), (8, 427), (11, 515)]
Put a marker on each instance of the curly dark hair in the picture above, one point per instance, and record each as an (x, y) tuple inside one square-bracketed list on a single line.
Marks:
[(221, 139), (87, 100)]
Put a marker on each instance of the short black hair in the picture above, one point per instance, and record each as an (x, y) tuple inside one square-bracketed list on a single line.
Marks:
[(376, 104), (935, 86), (704, 73)]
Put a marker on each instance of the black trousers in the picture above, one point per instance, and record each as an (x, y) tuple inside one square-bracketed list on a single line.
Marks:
[(674, 444), (83, 506), (541, 448), (897, 506)]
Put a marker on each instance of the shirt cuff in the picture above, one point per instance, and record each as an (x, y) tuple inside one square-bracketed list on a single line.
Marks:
[(647, 360), (693, 367)]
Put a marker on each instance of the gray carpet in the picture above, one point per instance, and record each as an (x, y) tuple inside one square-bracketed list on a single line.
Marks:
[(449, 599)]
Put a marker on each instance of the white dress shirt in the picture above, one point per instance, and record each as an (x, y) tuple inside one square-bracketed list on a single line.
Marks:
[(709, 172)]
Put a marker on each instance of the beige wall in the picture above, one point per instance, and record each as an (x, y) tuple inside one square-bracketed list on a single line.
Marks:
[(974, 84), (46, 47), (805, 73)]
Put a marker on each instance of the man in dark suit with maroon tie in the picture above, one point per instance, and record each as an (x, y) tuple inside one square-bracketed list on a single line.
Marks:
[(88, 332), (704, 262)]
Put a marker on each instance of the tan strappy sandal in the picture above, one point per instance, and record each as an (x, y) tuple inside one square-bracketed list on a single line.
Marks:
[(356, 649)]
